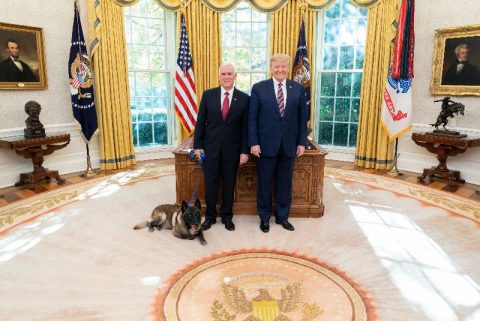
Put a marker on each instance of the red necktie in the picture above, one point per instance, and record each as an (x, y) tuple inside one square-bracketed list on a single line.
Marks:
[(280, 100), (225, 106)]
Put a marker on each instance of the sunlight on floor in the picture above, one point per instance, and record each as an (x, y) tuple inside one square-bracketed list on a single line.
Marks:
[(418, 266)]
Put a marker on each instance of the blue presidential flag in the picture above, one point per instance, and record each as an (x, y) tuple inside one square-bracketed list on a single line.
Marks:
[(81, 81), (301, 66)]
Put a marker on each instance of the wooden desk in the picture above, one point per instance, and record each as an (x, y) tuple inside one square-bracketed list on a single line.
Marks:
[(36, 149), (307, 190), (443, 146)]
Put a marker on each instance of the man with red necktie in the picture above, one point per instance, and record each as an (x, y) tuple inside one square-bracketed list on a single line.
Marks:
[(277, 133), (221, 133)]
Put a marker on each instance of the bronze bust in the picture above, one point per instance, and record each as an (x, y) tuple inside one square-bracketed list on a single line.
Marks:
[(34, 126)]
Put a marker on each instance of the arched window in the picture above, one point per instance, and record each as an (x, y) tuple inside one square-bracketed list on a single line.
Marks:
[(244, 44), (341, 34), (150, 45)]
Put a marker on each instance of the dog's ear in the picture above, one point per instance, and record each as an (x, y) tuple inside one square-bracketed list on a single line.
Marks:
[(198, 204), (184, 206)]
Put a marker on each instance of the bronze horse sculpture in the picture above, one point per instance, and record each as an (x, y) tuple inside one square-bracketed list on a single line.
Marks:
[(449, 109)]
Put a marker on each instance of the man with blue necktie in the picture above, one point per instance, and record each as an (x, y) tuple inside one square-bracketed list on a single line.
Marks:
[(277, 133)]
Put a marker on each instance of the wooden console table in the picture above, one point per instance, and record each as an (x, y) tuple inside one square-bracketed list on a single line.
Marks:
[(307, 189), (443, 146), (36, 149)]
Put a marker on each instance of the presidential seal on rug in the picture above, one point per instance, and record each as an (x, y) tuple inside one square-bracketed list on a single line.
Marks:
[(185, 221)]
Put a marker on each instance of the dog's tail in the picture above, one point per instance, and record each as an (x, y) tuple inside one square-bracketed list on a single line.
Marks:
[(141, 225)]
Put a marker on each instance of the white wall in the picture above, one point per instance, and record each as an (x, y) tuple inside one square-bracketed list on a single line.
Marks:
[(56, 19), (431, 15)]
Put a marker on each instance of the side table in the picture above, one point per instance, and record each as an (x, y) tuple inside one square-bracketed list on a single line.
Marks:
[(36, 149), (443, 146)]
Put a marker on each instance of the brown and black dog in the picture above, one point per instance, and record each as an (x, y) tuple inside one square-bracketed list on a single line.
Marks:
[(185, 221)]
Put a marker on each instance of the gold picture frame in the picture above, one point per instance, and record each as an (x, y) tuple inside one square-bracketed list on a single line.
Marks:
[(22, 57), (447, 78)]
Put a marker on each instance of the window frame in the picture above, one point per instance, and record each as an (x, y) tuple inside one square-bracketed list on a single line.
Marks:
[(160, 150), (344, 153)]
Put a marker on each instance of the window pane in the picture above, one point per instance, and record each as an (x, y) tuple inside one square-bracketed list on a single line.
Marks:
[(243, 58), (159, 84), (357, 84), (339, 75), (340, 134), (362, 31), (326, 108), (347, 31), (331, 32), (244, 35), (344, 84), (359, 57), (352, 140), (149, 83), (348, 10), (228, 16), (140, 32), (346, 58), (143, 85), (228, 28), (258, 77), (145, 134), (259, 59), (330, 58), (243, 81), (160, 133), (355, 110), (259, 34), (135, 134), (245, 44), (243, 12), (333, 11), (325, 133), (328, 84), (342, 109), (157, 57)]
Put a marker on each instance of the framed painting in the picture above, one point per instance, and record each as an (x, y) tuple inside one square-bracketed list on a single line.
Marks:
[(22, 58), (456, 61)]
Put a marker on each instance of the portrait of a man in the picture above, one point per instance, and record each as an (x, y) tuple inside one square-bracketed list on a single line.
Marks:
[(461, 71), (13, 69), (462, 62), (21, 57)]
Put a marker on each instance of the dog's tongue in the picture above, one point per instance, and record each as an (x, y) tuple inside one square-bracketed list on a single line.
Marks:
[(194, 229)]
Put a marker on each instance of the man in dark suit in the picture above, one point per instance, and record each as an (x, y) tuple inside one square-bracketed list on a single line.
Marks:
[(462, 72), (277, 133), (221, 132), (13, 69)]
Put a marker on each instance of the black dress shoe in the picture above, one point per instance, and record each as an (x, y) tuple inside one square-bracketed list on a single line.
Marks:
[(229, 225), (285, 223), (264, 226), (208, 223)]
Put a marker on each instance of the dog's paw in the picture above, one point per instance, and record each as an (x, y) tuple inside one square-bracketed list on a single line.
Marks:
[(203, 242)]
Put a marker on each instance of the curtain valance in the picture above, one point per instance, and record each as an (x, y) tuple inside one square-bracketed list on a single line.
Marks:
[(267, 6)]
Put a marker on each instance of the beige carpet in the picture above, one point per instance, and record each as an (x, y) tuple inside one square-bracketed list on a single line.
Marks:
[(73, 255)]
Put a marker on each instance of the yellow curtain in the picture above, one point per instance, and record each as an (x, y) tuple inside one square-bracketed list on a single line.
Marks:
[(203, 28), (111, 84), (285, 27), (373, 149)]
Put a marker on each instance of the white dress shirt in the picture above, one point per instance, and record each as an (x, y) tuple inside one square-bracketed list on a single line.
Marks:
[(222, 96), (17, 63)]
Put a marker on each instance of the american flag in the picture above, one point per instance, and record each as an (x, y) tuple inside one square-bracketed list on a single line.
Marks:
[(185, 98)]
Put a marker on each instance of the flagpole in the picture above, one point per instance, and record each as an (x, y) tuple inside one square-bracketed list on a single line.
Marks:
[(90, 172), (394, 171)]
